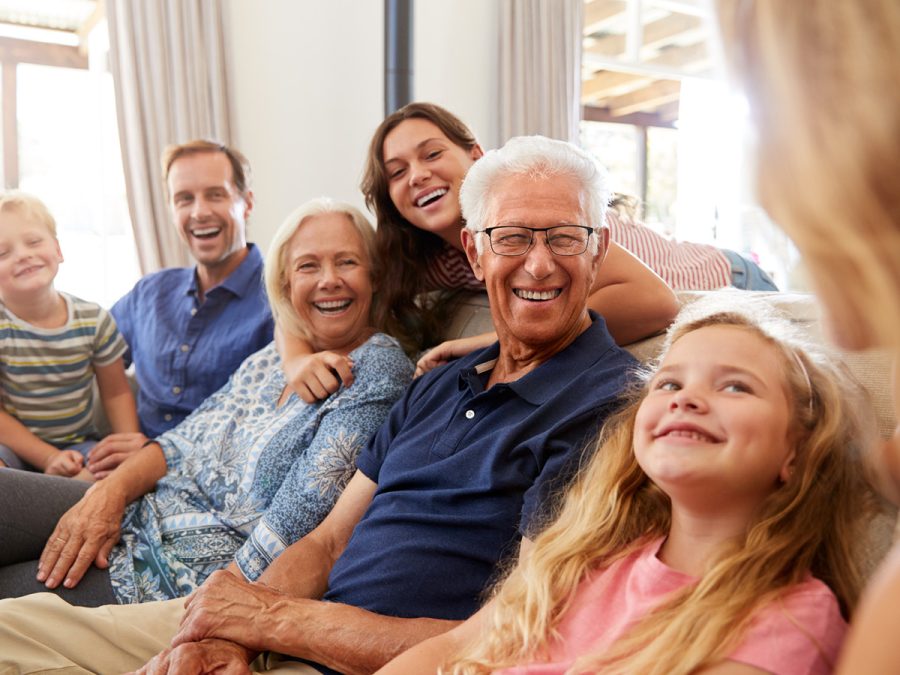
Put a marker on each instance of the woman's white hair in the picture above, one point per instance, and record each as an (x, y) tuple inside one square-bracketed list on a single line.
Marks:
[(535, 157), (277, 286)]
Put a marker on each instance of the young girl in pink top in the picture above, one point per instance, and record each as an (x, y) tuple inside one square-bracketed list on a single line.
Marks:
[(710, 532)]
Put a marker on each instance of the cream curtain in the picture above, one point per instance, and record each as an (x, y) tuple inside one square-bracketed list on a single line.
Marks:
[(540, 68), (168, 65)]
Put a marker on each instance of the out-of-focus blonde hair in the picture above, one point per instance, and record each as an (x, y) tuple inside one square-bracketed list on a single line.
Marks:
[(823, 85), (810, 524), (275, 272), (29, 207)]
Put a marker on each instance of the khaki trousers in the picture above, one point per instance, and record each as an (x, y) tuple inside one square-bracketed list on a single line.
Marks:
[(42, 633)]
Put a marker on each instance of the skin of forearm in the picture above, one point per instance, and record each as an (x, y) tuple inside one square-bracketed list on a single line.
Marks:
[(120, 410), (25, 444), (138, 474), (345, 638), (631, 313), (301, 571), (118, 401), (291, 346)]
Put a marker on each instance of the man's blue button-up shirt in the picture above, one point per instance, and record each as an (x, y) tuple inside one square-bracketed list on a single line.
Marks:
[(184, 350)]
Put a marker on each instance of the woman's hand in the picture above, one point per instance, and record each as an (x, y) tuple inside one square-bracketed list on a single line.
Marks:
[(316, 376), (112, 451), (452, 349), (85, 534), (66, 463)]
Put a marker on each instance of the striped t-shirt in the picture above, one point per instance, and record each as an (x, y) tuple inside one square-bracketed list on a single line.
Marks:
[(449, 270), (47, 374), (681, 264)]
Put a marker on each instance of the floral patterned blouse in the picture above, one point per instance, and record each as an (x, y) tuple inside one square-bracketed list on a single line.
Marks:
[(246, 477)]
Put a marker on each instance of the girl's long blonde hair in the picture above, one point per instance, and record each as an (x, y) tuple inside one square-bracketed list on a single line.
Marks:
[(811, 524), (823, 84)]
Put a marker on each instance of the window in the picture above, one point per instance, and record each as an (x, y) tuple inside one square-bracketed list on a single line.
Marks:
[(656, 114), (60, 143)]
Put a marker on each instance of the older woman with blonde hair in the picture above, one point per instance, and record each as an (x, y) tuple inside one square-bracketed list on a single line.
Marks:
[(823, 83), (252, 470)]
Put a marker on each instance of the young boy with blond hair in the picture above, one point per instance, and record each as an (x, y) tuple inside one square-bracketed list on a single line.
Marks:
[(52, 345)]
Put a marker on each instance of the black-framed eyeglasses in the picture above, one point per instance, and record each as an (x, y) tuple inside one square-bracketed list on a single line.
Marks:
[(517, 239)]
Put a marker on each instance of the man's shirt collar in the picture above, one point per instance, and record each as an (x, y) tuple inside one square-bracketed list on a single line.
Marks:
[(535, 387), (245, 279)]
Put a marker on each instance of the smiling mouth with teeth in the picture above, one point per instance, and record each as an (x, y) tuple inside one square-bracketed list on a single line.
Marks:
[(205, 232), (691, 434), (431, 197), (332, 306), (540, 296)]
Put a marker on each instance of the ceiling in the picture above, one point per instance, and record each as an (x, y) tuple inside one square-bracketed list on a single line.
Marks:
[(641, 82), (74, 17)]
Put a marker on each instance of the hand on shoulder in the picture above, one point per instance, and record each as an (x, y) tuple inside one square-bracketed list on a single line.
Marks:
[(314, 377)]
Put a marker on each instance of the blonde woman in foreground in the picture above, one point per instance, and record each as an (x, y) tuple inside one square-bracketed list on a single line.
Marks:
[(710, 532), (823, 83)]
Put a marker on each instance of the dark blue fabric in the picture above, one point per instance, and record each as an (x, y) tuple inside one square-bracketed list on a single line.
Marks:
[(184, 350), (456, 490)]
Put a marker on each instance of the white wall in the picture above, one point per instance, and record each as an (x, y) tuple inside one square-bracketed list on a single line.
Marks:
[(306, 83), (306, 80), (457, 60)]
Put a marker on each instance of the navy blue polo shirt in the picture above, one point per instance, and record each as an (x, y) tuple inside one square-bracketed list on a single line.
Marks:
[(184, 350), (462, 472)]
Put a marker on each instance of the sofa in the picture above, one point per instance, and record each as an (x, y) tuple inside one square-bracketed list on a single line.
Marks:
[(871, 368)]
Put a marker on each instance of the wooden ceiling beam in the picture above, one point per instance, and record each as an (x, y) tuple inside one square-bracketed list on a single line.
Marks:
[(608, 83), (690, 58), (648, 98), (13, 50), (592, 113), (668, 112), (598, 12), (656, 35)]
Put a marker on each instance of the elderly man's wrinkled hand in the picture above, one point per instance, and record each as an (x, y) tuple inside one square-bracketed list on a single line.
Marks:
[(209, 656), (85, 534), (228, 607)]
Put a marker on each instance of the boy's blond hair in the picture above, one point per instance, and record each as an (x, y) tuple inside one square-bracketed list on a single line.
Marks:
[(29, 207)]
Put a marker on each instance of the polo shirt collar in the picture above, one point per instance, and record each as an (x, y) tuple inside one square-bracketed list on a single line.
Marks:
[(245, 279), (536, 387)]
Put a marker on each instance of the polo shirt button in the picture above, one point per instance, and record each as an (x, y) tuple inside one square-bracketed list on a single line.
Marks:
[(470, 414), (167, 417), (176, 390), (185, 348), (193, 311)]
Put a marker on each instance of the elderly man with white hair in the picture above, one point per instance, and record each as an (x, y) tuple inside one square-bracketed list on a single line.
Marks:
[(455, 480)]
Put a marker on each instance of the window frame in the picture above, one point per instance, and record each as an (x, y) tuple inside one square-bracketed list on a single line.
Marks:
[(14, 51)]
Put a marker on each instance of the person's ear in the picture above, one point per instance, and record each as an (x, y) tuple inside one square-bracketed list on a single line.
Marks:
[(248, 203), (787, 468), (476, 152), (468, 242), (599, 256), (59, 255)]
